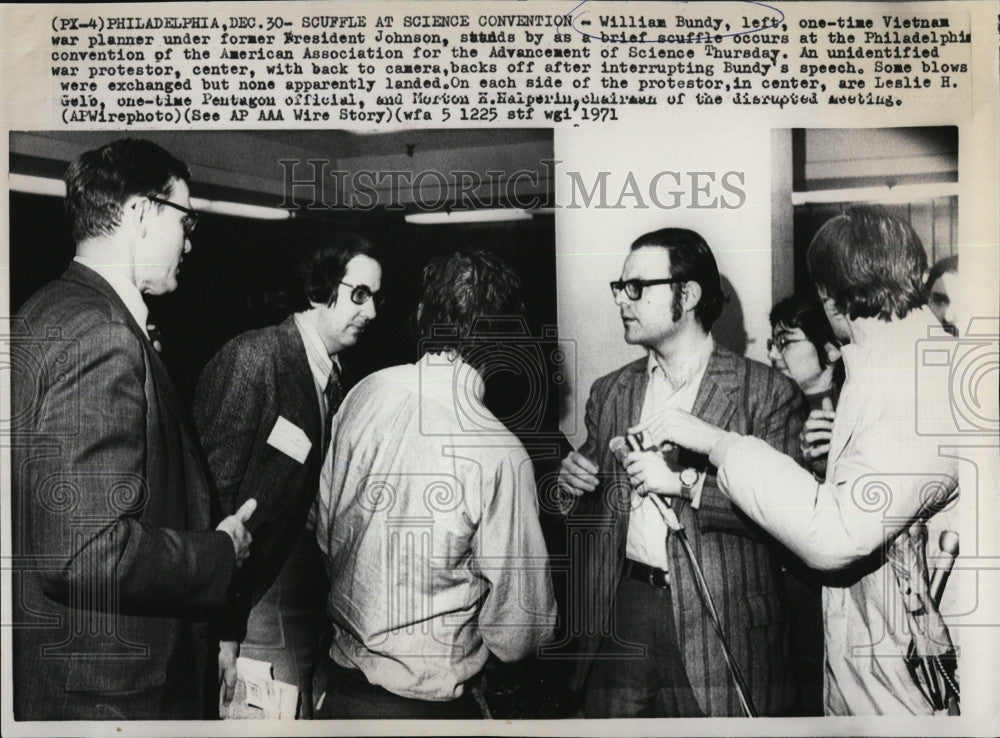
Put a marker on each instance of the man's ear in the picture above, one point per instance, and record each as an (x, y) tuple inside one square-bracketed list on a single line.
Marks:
[(832, 352), (136, 212), (691, 295)]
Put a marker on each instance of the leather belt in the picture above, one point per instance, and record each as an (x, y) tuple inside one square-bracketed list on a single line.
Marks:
[(648, 574)]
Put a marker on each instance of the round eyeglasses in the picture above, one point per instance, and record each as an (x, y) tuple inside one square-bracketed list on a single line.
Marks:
[(362, 293)]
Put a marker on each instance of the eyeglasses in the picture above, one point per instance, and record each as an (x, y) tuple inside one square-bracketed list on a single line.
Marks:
[(634, 287), (362, 293), (190, 219), (782, 343)]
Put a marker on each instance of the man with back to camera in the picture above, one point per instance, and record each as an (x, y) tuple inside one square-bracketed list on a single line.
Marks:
[(263, 408), (110, 503), (651, 651), (429, 525), (885, 480)]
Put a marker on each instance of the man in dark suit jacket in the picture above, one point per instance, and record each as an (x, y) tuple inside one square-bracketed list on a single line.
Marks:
[(262, 408), (115, 562), (646, 645)]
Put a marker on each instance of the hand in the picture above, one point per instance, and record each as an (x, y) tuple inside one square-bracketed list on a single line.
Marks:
[(235, 527), (814, 440), (229, 651), (649, 474), (680, 428), (578, 474)]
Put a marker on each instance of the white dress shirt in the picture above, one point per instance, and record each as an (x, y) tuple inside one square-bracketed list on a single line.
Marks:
[(647, 533), (430, 528), (320, 362)]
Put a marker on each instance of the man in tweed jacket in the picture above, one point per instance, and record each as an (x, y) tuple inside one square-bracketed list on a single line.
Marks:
[(262, 408), (645, 644)]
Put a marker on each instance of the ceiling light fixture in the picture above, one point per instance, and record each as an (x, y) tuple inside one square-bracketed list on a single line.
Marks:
[(57, 188), (885, 194), (488, 215)]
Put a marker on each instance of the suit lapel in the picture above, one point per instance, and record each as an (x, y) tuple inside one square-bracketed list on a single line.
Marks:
[(298, 379), (716, 399), (636, 379)]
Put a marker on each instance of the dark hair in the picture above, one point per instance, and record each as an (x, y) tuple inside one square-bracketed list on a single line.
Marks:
[(870, 263), (100, 181), (947, 265), (324, 264), (461, 293), (691, 260), (808, 316)]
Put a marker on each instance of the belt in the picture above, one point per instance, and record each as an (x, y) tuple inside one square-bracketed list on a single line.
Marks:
[(648, 574)]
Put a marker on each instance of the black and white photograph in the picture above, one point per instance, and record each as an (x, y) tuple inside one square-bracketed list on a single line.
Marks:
[(537, 368)]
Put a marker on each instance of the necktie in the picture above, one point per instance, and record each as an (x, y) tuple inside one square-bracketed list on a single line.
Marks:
[(333, 394)]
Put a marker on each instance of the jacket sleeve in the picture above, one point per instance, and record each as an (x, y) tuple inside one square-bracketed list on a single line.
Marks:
[(228, 410), (228, 406), (776, 419), (519, 611), (876, 492), (89, 505)]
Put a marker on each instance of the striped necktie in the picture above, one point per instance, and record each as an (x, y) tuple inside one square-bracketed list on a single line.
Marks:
[(333, 394)]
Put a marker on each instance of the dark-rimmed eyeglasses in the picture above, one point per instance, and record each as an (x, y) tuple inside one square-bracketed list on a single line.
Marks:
[(362, 293), (190, 219), (634, 287)]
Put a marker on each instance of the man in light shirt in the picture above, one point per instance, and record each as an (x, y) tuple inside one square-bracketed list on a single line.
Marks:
[(263, 408), (646, 644), (428, 517), (888, 479), (116, 563)]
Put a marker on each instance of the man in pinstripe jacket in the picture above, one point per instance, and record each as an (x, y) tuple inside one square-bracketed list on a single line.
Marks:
[(645, 645)]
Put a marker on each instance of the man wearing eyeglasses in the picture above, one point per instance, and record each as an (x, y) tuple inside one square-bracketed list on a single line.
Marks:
[(647, 647), (263, 408), (116, 562)]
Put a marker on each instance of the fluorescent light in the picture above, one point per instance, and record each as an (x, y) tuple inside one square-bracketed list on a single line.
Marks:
[(239, 209), (881, 194), (37, 185), (490, 215), (57, 188)]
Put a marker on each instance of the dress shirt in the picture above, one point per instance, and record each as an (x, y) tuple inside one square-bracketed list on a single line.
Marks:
[(431, 533), (647, 533), (320, 362), (882, 475), (117, 276)]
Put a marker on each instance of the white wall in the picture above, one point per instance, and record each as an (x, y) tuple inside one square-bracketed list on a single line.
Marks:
[(591, 243)]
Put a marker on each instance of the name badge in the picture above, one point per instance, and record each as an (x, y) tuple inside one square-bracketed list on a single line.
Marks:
[(290, 440)]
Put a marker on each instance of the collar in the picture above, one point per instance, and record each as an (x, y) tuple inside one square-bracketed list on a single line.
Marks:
[(692, 367), (443, 374), (320, 362), (889, 342), (116, 275)]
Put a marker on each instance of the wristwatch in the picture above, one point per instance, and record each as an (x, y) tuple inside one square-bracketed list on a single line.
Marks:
[(689, 478)]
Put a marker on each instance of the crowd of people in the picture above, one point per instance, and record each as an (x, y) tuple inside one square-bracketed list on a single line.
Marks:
[(354, 532)]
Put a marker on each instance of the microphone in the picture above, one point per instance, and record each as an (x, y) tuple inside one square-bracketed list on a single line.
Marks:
[(942, 570), (620, 447)]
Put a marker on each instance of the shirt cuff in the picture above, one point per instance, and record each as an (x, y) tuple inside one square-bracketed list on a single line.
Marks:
[(717, 456)]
